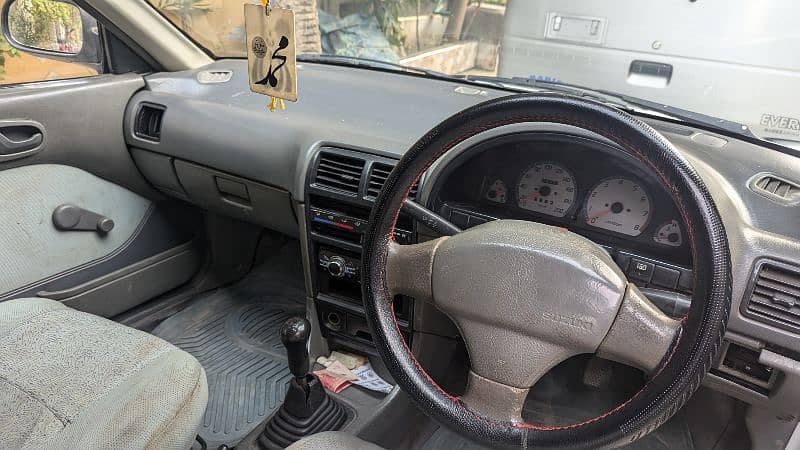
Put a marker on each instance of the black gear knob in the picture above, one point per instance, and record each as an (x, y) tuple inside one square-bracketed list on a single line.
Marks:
[(294, 335), (307, 408)]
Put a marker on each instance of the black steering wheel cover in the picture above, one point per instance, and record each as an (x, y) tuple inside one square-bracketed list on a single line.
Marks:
[(703, 329)]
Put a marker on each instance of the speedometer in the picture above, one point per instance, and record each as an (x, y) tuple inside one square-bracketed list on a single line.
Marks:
[(547, 188), (618, 204)]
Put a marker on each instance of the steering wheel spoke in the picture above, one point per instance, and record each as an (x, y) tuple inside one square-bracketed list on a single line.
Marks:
[(493, 399), (641, 335), (515, 358), (409, 269)]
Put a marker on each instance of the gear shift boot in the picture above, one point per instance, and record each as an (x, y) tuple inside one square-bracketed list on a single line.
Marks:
[(307, 408)]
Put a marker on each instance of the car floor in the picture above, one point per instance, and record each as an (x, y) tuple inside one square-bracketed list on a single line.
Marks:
[(233, 332), (585, 387), (674, 435)]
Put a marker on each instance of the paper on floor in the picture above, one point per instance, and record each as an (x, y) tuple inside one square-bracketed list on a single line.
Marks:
[(331, 382), (349, 360), (338, 370), (342, 369), (367, 378)]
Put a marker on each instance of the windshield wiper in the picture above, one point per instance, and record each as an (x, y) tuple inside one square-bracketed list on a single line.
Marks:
[(621, 101), (355, 61)]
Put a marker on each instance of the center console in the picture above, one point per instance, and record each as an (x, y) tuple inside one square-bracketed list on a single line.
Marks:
[(340, 191)]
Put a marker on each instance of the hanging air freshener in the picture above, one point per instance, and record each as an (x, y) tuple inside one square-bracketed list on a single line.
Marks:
[(271, 53)]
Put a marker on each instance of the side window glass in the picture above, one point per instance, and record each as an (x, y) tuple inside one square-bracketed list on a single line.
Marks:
[(47, 40)]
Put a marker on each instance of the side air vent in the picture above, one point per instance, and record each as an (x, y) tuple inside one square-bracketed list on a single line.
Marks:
[(148, 122), (339, 172), (377, 178), (776, 188), (775, 295)]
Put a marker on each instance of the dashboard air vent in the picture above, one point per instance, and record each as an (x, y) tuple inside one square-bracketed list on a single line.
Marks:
[(377, 178), (339, 172), (775, 295), (148, 122), (776, 188)]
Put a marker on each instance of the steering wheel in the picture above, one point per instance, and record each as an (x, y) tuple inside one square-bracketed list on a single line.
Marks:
[(526, 296)]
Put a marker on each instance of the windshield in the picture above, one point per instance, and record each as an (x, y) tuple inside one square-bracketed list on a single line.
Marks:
[(736, 60)]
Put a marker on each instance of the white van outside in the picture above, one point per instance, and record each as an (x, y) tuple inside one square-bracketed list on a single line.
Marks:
[(742, 74)]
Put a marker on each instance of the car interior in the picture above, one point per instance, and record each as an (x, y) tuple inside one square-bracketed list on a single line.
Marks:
[(513, 263)]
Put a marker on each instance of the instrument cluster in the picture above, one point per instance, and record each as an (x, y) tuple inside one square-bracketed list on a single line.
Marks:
[(568, 181), (619, 204)]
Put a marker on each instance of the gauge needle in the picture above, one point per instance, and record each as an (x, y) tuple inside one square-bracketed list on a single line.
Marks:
[(600, 214)]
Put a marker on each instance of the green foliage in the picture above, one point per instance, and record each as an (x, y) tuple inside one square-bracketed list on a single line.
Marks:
[(388, 14), (6, 50), (32, 21)]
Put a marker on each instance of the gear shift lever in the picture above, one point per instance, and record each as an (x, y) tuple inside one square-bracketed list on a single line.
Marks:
[(307, 408), (294, 335)]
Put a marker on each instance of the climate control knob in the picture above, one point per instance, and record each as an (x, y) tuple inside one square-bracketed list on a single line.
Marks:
[(336, 267)]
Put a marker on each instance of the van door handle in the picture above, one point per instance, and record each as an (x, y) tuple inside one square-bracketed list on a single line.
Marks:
[(19, 139)]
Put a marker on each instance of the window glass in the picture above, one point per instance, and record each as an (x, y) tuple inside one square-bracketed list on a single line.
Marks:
[(398, 31), (736, 60)]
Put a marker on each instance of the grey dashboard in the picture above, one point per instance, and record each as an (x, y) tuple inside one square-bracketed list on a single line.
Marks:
[(220, 135)]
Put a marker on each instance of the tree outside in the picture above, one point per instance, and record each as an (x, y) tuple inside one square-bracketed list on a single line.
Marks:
[(47, 25), (6, 51)]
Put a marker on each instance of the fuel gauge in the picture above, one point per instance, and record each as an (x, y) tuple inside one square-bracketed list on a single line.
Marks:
[(497, 192), (669, 233)]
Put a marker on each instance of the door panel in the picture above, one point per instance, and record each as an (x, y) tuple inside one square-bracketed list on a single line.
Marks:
[(32, 248), (83, 160), (82, 121)]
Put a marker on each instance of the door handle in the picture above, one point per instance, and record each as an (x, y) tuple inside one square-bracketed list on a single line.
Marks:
[(19, 139), (9, 146)]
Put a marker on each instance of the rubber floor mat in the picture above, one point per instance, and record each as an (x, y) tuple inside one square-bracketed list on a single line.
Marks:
[(233, 332)]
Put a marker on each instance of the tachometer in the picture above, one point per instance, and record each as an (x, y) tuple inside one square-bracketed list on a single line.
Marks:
[(618, 204), (669, 233), (547, 188)]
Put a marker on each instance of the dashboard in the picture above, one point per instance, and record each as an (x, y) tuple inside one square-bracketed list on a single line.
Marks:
[(580, 184), (273, 169)]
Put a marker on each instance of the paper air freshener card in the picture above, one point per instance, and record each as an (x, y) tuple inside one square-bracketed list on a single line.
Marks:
[(271, 53)]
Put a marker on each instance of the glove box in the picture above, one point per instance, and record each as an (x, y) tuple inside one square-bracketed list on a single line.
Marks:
[(237, 197), (218, 191)]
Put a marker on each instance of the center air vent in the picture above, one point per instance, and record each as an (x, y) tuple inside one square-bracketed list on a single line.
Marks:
[(775, 295), (377, 178), (148, 122), (339, 172), (775, 188)]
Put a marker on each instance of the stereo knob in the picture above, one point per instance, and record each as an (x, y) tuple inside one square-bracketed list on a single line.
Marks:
[(336, 267)]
